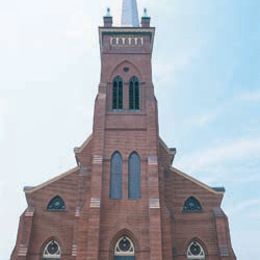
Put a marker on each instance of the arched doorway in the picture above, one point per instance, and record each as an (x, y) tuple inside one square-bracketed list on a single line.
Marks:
[(124, 249)]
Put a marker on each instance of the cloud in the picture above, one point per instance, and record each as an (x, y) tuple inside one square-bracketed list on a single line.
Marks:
[(1, 129), (3, 111), (251, 96), (242, 206), (1, 189), (255, 215), (165, 72), (202, 120), (235, 150), (3, 105)]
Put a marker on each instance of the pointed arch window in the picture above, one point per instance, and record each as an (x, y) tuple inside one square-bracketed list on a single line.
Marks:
[(117, 102), (56, 204), (134, 94), (52, 251), (124, 249), (195, 251), (192, 205), (116, 176), (134, 176)]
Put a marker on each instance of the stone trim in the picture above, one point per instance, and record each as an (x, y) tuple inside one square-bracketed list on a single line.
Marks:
[(95, 203), (77, 212), (152, 160), (126, 30), (154, 204), (129, 41), (29, 213), (74, 250), (97, 159), (23, 249)]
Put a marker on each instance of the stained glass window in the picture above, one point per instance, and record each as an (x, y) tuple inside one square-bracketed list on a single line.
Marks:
[(124, 249), (134, 94), (192, 205), (116, 176), (134, 175), (52, 251), (117, 102), (195, 252), (56, 204)]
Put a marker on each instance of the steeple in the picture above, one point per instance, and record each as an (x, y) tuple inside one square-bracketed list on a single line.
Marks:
[(130, 14)]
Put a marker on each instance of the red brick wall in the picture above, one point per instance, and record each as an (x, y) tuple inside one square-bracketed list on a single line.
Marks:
[(92, 223)]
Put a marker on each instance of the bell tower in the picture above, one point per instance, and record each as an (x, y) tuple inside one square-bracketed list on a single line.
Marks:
[(125, 141)]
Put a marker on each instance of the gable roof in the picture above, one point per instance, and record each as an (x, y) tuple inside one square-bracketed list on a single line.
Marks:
[(29, 190), (214, 190)]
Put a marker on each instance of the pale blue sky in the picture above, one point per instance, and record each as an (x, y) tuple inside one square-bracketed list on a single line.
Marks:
[(206, 74)]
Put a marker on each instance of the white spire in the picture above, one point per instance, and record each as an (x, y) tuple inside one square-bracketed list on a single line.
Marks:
[(130, 14)]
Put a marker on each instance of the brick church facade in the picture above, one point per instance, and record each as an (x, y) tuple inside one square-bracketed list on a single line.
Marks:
[(124, 200)]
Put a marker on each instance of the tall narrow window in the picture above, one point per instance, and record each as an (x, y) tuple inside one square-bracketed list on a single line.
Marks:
[(134, 94), (52, 251), (124, 249), (117, 102), (134, 176), (116, 176), (195, 252)]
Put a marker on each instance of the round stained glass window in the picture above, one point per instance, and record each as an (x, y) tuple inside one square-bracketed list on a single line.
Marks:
[(124, 245), (52, 248), (195, 249), (52, 251)]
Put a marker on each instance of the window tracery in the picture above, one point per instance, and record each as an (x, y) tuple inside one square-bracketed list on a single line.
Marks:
[(124, 247), (195, 251), (192, 205), (56, 204), (52, 251)]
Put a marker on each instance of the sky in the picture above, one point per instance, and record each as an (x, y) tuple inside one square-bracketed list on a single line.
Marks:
[(206, 74)]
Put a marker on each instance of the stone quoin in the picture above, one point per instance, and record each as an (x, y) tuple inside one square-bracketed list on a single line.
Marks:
[(124, 200)]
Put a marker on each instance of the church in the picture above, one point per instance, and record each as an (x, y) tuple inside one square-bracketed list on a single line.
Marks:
[(124, 200)]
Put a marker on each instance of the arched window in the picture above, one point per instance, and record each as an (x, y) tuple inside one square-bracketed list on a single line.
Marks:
[(116, 176), (124, 249), (195, 252), (52, 251), (134, 176), (134, 94), (192, 205), (117, 102), (56, 204)]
